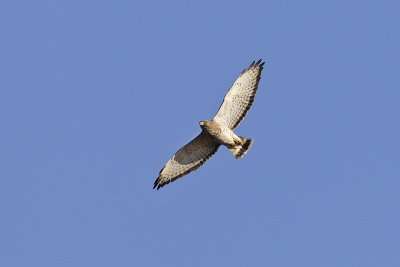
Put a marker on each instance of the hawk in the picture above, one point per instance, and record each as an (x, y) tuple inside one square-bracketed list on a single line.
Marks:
[(218, 131)]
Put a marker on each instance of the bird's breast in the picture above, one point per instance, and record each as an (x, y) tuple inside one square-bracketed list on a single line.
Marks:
[(221, 134)]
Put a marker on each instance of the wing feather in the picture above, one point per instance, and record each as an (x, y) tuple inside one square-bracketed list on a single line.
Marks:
[(187, 159), (240, 96)]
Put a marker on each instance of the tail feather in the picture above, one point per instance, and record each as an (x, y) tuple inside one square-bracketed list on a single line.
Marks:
[(240, 150)]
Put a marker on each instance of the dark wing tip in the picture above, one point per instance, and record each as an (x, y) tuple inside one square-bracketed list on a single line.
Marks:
[(259, 63), (255, 64), (158, 183), (158, 180)]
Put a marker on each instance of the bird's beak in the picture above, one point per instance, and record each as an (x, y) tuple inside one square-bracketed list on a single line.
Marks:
[(201, 123)]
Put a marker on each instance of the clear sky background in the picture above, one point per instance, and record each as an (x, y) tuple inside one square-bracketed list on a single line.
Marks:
[(96, 96)]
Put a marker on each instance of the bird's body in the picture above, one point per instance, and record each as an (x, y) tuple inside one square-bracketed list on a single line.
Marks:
[(218, 131)]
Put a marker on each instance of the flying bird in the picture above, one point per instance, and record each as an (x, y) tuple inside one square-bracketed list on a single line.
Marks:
[(218, 131)]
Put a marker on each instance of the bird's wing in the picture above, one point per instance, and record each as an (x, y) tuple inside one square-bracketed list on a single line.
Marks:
[(240, 96), (187, 159)]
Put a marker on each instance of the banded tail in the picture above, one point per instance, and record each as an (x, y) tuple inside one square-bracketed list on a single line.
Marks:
[(240, 150)]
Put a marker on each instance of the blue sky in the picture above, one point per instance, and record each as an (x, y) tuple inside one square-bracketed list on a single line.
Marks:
[(95, 96)]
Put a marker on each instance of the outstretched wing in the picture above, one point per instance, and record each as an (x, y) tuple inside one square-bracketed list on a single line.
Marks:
[(240, 96), (187, 159)]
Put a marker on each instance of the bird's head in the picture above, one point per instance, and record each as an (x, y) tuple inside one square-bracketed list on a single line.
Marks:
[(203, 124)]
